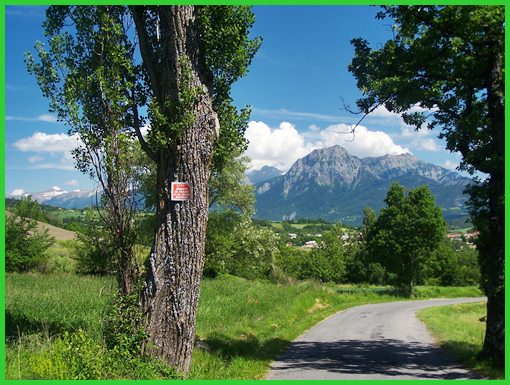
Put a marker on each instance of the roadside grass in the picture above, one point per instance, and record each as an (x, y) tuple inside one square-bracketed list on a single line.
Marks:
[(241, 326), (458, 330), (61, 257)]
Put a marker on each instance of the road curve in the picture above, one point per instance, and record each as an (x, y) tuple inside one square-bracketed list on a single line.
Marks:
[(378, 341)]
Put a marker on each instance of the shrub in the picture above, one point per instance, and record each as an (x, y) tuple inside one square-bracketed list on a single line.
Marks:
[(235, 246), (25, 244), (93, 250), (77, 356)]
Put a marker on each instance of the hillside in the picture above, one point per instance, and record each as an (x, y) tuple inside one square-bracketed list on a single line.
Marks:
[(334, 185), (56, 232)]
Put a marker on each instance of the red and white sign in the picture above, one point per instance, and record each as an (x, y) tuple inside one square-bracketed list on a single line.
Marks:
[(181, 191)]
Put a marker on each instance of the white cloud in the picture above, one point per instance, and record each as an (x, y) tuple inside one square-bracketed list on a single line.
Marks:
[(53, 144), (35, 159), (448, 164), (72, 182), (363, 143), (411, 132), (427, 145), (47, 118), (279, 148), (40, 118), (383, 112), (17, 192), (282, 146), (42, 142)]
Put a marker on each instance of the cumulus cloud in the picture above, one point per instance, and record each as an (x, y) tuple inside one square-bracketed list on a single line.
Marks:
[(363, 143), (427, 145), (279, 147), (53, 145), (282, 146), (42, 142), (383, 112)]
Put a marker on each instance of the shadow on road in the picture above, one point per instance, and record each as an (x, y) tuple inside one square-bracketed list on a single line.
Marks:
[(385, 357)]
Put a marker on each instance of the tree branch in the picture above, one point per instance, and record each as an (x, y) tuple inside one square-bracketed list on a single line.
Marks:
[(136, 125), (145, 49)]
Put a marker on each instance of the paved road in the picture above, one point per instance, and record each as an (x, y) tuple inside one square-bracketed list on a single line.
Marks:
[(379, 341)]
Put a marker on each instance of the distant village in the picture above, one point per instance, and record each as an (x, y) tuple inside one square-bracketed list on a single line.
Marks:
[(314, 239)]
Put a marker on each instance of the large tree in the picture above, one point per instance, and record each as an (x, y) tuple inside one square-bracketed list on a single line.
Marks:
[(178, 87), (445, 68), (84, 72), (406, 233), (191, 56)]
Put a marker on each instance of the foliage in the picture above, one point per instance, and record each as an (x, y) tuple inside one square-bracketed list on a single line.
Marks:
[(227, 187), (445, 68), (94, 250), (122, 328), (326, 263), (407, 231), (228, 50), (87, 75), (78, 356), (235, 246), (453, 263), (25, 244), (61, 257)]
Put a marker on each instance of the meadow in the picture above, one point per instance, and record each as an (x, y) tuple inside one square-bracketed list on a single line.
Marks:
[(242, 325)]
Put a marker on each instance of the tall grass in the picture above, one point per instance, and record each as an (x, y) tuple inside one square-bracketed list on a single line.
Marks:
[(460, 329), (241, 326), (54, 303)]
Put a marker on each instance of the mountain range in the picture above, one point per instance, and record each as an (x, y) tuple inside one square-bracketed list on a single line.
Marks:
[(76, 199), (334, 185), (262, 175), (328, 183)]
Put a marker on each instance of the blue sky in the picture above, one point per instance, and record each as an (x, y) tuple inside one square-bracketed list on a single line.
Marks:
[(295, 87)]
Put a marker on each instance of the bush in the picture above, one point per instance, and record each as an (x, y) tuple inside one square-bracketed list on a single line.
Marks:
[(93, 250), (25, 245), (235, 246), (77, 356)]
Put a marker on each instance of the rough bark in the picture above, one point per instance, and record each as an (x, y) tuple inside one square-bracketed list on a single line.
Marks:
[(170, 295), (492, 245)]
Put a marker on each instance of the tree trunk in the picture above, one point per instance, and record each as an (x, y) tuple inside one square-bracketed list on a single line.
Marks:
[(492, 237), (170, 295)]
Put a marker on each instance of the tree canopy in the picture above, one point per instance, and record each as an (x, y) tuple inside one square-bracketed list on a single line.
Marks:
[(406, 233), (445, 68)]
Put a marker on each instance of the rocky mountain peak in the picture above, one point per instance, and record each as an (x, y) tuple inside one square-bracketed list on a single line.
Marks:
[(330, 183)]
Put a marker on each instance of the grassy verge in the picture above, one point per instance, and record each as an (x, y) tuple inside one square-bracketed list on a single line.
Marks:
[(242, 325), (458, 329)]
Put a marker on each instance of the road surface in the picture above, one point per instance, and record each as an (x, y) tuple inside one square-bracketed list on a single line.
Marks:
[(378, 341)]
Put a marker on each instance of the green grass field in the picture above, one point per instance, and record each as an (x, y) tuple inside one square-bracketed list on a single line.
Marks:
[(459, 330), (242, 325)]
